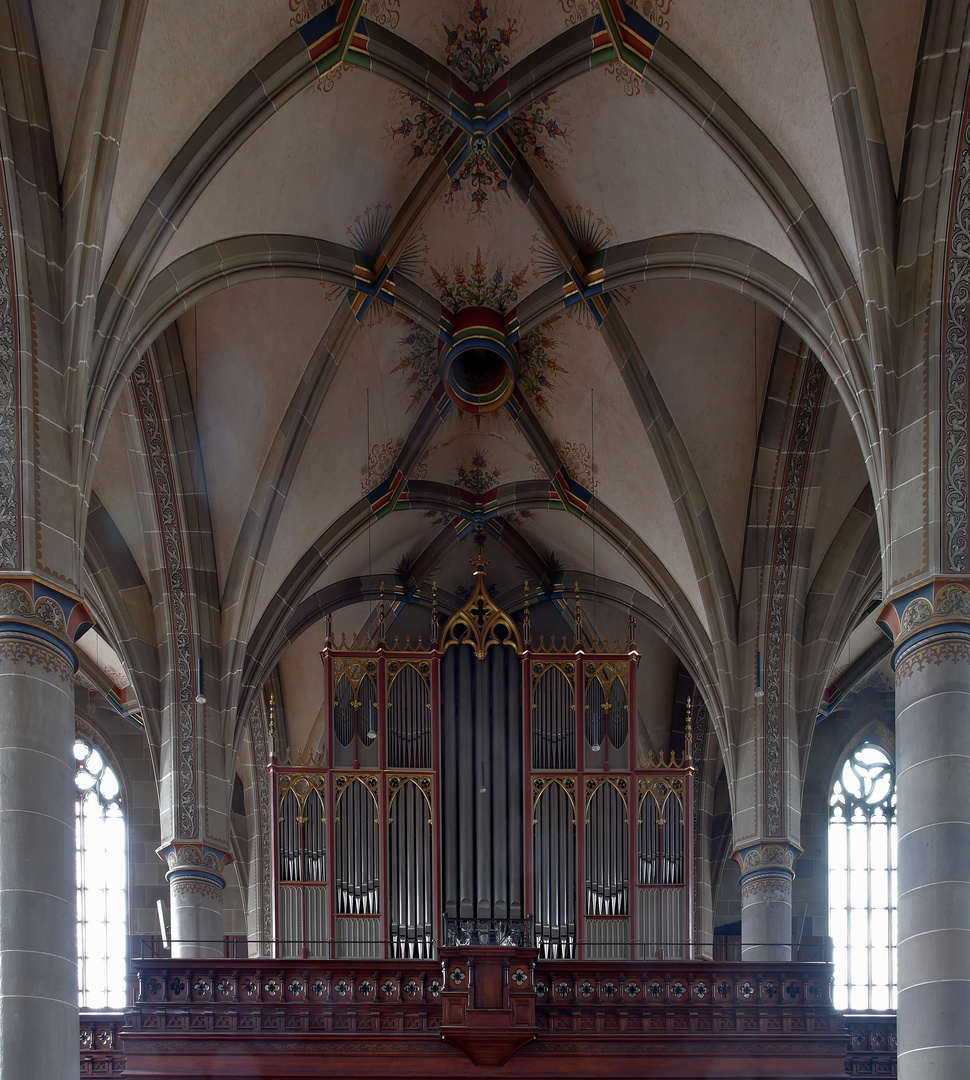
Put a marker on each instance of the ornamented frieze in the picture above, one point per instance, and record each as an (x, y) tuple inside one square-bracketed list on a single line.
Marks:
[(200, 861), (36, 654), (942, 606), (780, 590), (177, 593), (30, 606), (10, 508), (955, 397), (933, 653)]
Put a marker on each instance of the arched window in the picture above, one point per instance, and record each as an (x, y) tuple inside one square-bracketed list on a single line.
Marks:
[(102, 906), (862, 880)]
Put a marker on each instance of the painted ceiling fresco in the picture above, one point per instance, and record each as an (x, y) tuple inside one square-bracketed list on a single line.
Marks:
[(454, 182)]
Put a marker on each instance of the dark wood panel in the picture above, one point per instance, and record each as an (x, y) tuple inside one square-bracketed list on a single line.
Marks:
[(263, 1018)]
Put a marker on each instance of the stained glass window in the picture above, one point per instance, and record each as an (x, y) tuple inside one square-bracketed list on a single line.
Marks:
[(102, 923), (862, 880)]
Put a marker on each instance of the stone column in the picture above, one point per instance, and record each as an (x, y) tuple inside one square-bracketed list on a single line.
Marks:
[(38, 887), (931, 628), (767, 873), (195, 878)]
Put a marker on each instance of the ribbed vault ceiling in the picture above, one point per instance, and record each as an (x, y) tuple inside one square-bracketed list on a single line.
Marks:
[(302, 407)]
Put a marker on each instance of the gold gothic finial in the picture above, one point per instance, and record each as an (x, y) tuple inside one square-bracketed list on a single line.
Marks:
[(579, 618), (688, 730), (527, 618), (631, 633), (480, 561), (272, 725), (381, 611), (434, 612), (481, 623)]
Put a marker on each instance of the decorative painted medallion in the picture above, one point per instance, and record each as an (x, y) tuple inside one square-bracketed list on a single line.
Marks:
[(479, 288), (578, 461), (381, 460), (538, 365), (420, 361), (533, 131), (478, 54), (478, 476)]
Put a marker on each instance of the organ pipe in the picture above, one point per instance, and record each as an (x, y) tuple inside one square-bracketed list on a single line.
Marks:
[(488, 780)]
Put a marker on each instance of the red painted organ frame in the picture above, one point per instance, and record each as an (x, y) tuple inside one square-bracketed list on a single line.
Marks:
[(667, 781)]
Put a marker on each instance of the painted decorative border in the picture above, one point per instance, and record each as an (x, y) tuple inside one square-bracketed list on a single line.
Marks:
[(767, 888), (10, 503), (37, 655), (171, 531), (186, 886), (939, 602), (955, 397), (936, 653), (779, 589)]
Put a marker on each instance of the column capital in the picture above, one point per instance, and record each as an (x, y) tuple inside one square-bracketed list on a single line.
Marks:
[(767, 858), (195, 860), (33, 607), (935, 608)]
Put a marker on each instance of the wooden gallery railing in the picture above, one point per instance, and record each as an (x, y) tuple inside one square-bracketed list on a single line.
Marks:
[(101, 1048), (511, 1015)]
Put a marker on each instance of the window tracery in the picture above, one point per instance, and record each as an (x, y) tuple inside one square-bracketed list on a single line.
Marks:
[(862, 880), (100, 845)]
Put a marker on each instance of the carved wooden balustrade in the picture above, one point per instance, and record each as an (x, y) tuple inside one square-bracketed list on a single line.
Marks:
[(872, 1044), (101, 1049), (511, 1015)]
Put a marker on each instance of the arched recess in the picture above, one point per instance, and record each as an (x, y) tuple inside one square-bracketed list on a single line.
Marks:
[(649, 265), (729, 263), (114, 585), (845, 583), (291, 609)]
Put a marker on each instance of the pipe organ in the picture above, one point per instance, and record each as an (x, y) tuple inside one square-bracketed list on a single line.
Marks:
[(482, 784)]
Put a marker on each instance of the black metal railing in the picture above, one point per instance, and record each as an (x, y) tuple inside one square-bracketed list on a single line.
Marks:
[(514, 932)]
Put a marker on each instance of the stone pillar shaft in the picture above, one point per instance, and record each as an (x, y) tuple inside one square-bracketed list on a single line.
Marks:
[(933, 812), (767, 873), (38, 889), (196, 882), (931, 630)]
